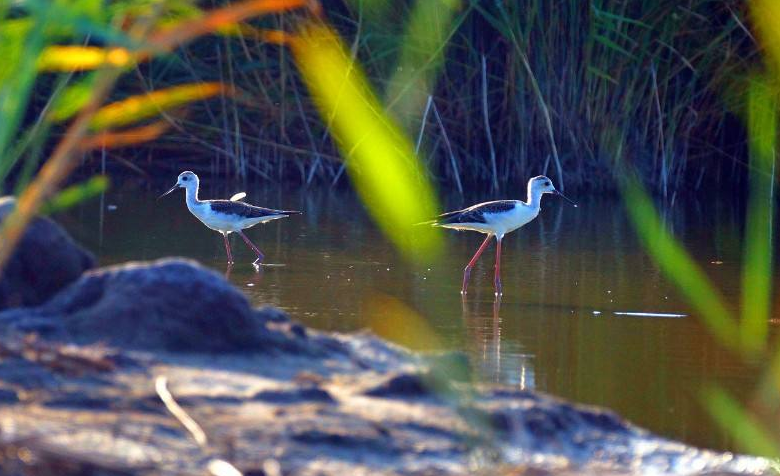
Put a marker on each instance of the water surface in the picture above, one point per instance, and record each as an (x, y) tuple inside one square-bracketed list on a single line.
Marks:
[(572, 321)]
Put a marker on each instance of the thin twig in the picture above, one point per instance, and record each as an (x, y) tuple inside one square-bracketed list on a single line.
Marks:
[(453, 162), (307, 129), (662, 142), (487, 124), (161, 386), (215, 466), (543, 107), (422, 124)]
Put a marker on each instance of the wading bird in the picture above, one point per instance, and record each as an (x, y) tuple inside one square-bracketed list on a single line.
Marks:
[(497, 219), (226, 216)]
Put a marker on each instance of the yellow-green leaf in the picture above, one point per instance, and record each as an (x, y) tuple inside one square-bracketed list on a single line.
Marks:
[(379, 158), (748, 431), (79, 58), (125, 137), (13, 34), (428, 30), (678, 265), (757, 267), (145, 106), (72, 99), (766, 17), (76, 194)]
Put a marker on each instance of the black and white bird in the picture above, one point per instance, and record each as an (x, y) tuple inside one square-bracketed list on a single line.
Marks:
[(226, 216), (498, 218)]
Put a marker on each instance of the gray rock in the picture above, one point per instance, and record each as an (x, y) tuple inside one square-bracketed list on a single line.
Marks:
[(172, 305), (403, 385), (261, 408), (8, 396), (45, 261)]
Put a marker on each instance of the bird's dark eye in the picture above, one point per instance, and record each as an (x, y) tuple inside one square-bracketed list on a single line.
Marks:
[(546, 184), (185, 178)]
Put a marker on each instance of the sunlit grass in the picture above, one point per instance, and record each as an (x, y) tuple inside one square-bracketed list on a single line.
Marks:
[(76, 58), (749, 432), (765, 15), (379, 158), (126, 137), (678, 265), (757, 266), (145, 106), (75, 194), (424, 40)]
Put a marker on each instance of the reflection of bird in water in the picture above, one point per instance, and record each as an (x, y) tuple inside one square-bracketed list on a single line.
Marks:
[(226, 216), (497, 363), (497, 335), (487, 343), (497, 219)]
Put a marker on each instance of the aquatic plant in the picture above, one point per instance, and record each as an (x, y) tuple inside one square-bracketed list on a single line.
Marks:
[(493, 92)]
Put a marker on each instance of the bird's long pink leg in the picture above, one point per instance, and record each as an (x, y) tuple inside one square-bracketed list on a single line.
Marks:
[(227, 248), (257, 251), (497, 279), (467, 270)]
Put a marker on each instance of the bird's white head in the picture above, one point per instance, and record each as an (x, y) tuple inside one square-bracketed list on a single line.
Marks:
[(187, 180), (540, 185)]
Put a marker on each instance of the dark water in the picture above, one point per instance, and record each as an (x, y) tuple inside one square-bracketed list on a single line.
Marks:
[(566, 276)]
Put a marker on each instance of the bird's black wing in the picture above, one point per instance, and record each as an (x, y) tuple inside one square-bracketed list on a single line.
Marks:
[(475, 213), (246, 210)]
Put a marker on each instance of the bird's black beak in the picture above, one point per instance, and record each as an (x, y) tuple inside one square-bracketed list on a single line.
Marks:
[(555, 192), (169, 191)]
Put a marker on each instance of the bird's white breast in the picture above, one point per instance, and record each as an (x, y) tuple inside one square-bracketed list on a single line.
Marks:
[(511, 220), (215, 221)]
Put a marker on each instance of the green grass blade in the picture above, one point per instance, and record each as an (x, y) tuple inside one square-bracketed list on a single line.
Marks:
[(20, 41), (613, 46), (747, 431), (601, 74), (603, 14), (379, 157), (428, 31), (677, 264), (76, 194), (757, 268)]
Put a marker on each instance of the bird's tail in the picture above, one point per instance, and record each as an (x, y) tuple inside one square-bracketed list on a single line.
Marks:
[(441, 219), (434, 222)]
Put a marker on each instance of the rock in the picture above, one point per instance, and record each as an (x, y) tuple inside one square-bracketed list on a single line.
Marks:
[(173, 305), (79, 400), (404, 385), (271, 411), (45, 261), (8, 396), (300, 394)]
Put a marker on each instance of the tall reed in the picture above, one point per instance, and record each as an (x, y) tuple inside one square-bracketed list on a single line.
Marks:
[(520, 87)]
